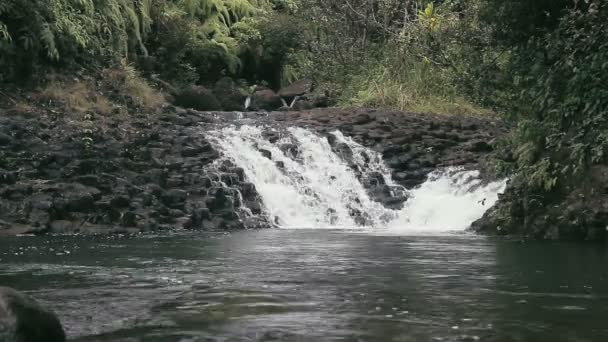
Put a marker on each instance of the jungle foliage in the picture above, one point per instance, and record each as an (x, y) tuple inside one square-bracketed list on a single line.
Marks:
[(541, 64), (192, 37)]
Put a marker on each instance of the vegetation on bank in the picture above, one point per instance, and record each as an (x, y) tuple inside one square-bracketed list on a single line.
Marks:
[(540, 63)]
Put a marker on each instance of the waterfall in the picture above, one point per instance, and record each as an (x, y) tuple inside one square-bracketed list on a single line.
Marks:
[(309, 181)]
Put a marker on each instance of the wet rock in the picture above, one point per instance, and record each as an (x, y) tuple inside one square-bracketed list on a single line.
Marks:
[(5, 139), (220, 200), (248, 191), (267, 154), (290, 150), (22, 319)]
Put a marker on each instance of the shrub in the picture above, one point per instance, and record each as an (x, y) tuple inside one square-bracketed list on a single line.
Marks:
[(563, 112)]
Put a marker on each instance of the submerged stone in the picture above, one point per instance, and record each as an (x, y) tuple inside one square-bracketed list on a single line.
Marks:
[(22, 319)]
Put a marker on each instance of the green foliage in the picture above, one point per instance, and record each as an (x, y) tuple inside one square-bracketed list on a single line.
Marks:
[(563, 116), (196, 34), (273, 53)]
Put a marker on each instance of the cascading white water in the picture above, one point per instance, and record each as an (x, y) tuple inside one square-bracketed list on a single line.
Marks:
[(314, 187)]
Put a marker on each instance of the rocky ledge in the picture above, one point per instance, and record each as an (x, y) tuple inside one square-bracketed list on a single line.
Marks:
[(94, 175)]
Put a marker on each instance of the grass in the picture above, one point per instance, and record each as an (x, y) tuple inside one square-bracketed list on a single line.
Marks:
[(114, 91), (128, 87), (78, 96), (413, 87)]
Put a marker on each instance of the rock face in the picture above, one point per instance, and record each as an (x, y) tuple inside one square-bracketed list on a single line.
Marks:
[(65, 174), (24, 320), (115, 175)]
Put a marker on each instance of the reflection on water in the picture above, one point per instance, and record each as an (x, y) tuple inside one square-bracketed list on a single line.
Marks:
[(311, 285)]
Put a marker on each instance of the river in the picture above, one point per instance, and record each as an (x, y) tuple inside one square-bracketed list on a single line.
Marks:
[(313, 285)]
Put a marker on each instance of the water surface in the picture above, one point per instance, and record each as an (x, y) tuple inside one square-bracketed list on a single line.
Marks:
[(313, 285)]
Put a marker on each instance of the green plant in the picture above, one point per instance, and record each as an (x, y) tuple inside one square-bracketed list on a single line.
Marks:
[(194, 33), (562, 109)]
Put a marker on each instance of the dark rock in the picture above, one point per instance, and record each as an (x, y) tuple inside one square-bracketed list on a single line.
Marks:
[(219, 200), (175, 198), (198, 98), (290, 150), (128, 219), (479, 146), (248, 191), (75, 197), (265, 99), (22, 319), (297, 88), (120, 201), (321, 100), (267, 154), (191, 151), (5, 139), (302, 104), (363, 119), (231, 98)]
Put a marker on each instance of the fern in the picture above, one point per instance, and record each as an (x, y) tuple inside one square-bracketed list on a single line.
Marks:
[(4, 34), (63, 30)]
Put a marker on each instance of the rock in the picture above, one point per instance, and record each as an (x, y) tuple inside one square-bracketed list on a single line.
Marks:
[(75, 197), (198, 98), (297, 88), (321, 100), (128, 219), (265, 99), (267, 154), (479, 146), (302, 104), (22, 319), (175, 198), (363, 119), (231, 98), (5, 139), (120, 201)]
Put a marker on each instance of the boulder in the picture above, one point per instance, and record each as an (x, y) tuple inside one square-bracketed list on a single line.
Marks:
[(297, 88), (5, 139), (265, 99), (229, 95), (198, 98), (22, 319)]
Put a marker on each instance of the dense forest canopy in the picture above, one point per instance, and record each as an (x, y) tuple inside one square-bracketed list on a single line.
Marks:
[(542, 63)]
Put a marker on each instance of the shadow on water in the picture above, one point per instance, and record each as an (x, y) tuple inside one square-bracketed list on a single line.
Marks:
[(313, 285)]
